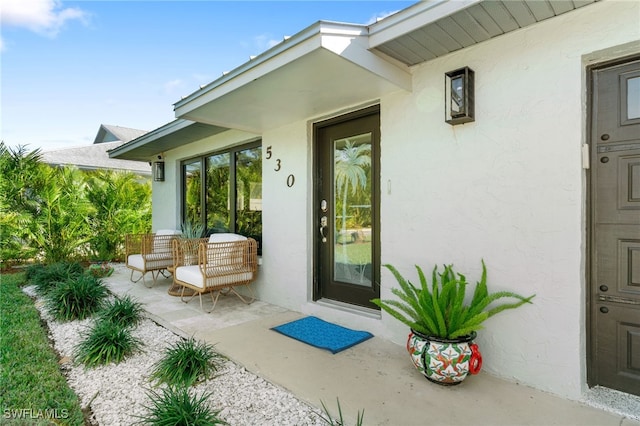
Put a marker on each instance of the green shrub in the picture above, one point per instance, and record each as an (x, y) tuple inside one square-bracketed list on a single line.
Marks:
[(46, 277), (175, 407), (104, 343), (125, 312), (186, 362), (76, 298)]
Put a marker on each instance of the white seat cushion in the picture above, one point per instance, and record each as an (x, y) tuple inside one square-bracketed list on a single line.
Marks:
[(136, 261), (192, 275)]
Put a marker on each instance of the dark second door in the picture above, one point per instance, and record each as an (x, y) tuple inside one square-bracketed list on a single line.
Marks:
[(615, 228)]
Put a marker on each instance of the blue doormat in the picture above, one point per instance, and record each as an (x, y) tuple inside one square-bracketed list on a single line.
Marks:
[(321, 334)]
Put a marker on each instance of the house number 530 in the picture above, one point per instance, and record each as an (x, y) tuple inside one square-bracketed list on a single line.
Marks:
[(291, 179)]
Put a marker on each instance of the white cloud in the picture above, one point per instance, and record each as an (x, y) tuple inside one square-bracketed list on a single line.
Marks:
[(45, 17), (265, 42), (170, 87), (380, 16)]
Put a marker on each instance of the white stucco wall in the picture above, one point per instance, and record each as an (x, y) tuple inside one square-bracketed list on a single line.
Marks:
[(508, 188)]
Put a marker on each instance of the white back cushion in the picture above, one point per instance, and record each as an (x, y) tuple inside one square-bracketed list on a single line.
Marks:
[(226, 238), (167, 232)]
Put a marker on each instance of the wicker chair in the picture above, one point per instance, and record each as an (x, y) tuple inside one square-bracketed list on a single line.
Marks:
[(215, 265), (150, 253)]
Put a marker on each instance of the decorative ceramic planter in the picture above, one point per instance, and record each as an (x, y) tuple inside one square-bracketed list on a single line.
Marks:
[(444, 361)]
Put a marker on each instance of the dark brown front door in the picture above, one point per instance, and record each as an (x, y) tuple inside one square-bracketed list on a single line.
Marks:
[(346, 208), (614, 337)]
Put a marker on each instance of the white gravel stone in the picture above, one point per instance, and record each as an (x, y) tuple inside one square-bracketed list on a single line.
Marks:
[(118, 393)]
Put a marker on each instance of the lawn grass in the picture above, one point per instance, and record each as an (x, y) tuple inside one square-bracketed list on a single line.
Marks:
[(32, 388)]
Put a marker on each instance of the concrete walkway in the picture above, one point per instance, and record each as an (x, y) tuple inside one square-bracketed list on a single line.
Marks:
[(375, 376)]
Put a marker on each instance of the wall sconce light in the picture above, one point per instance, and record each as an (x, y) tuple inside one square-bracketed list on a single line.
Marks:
[(158, 171), (459, 96)]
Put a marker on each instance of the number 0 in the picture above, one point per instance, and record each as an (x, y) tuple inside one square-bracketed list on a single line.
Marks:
[(291, 179)]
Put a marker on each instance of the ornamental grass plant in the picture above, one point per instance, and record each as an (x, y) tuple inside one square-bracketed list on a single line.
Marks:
[(106, 342), (124, 311), (175, 406), (76, 298), (187, 362), (339, 420), (44, 278), (439, 309)]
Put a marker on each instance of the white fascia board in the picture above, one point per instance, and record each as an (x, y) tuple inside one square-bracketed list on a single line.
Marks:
[(414, 17), (354, 48)]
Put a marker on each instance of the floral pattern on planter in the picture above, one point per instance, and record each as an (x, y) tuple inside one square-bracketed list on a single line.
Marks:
[(444, 361)]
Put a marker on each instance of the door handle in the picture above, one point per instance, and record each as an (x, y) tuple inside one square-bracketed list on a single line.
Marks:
[(323, 224)]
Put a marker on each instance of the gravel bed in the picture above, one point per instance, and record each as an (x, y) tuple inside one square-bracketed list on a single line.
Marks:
[(117, 394)]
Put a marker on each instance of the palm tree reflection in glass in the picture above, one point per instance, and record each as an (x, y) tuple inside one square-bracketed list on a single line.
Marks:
[(352, 175)]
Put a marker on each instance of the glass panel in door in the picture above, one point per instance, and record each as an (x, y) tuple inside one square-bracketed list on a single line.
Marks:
[(352, 249)]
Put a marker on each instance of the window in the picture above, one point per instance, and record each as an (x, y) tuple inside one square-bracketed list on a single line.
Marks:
[(227, 196)]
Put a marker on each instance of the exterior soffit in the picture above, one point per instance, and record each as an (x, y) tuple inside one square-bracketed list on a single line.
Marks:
[(165, 138), (432, 29), (325, 67)]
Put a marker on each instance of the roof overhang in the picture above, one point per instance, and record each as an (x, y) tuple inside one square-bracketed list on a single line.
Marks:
[(330, 66), (430, 29), (323, 68), (165, 138)]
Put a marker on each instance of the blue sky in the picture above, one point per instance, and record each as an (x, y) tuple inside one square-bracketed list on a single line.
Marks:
[(69, 66)]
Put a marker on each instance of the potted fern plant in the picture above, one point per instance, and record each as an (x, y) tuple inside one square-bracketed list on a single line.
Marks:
[(443, 325)]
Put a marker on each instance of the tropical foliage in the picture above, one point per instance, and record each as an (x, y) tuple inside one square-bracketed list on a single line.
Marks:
[(116, 211), (439, 310), (60, 213)]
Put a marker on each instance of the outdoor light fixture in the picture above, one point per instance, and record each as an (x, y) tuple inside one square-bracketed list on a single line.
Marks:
[(158, 171), (459, 96)]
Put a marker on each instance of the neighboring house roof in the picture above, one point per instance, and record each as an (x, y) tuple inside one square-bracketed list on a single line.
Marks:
[(96, 156), (109, 133), (329, 65)]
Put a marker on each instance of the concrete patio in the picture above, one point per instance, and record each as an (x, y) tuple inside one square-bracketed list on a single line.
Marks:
[(376, 375)]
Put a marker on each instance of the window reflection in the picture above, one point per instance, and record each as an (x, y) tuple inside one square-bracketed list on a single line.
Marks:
[(230, 191), (192, 209)]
